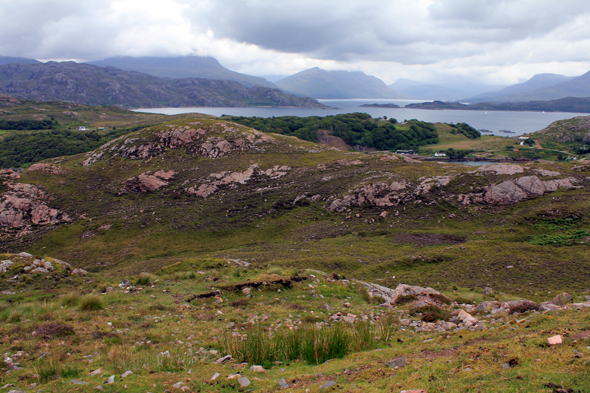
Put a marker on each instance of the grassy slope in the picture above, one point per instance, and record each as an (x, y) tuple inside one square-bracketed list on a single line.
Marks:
[(132, 329)]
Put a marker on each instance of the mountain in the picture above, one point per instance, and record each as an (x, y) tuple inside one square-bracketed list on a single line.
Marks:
[(426, 91), (182, 67), (318, 83), (568, 104), (525, 91), (93, 85), (8, 60)]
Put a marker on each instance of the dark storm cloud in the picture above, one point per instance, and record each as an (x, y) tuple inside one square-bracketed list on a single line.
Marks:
[(404, 31)]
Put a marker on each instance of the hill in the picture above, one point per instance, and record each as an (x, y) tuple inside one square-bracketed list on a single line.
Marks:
[(176, 253), (516, 92), (569, 104), (318, 83), (576, 87), (570, 134), (182, 67), (8, 60), (93, 85)]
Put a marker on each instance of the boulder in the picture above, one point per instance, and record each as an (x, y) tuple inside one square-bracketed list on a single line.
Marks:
[(505, 193), (502, 169), (555, 340), (520, 306)]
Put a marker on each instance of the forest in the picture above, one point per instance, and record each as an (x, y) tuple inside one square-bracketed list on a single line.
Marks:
[(356, 129)]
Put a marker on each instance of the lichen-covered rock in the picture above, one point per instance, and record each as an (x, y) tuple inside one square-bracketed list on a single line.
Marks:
[(147, 182), (502, 169), (505, 192), (47, 168)]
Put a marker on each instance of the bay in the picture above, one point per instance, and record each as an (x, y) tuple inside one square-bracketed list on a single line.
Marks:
[(517, 122)]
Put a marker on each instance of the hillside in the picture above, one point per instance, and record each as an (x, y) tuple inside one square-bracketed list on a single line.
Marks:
[(512, 93), (573, 87), (568, 104), (182, 67), (8, 60), (318, 83), (570, 134), (199, 253), (92, 85)]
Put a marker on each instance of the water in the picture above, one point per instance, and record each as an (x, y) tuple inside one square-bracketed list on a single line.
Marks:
[(518, 122)]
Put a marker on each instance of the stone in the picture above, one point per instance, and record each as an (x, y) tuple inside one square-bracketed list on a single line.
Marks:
[(177, 385), (520, 306), (98, 371), (111, 380), (581, 336), (502, 169), (224, 359), (555, 340), (247, 290), (257, 369), (99, 387), (126, 374), (562, 299), (244, 382), (505, 193), (78, 382), (327, 385), (488, 291), (397, 362), (215, 376), (413, 391), (283, 383)]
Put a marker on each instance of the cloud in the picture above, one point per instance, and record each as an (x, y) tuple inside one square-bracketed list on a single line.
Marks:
[(502, 41)]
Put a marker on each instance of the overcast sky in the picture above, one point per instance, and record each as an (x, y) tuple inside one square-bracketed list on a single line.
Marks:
[(491, 41)]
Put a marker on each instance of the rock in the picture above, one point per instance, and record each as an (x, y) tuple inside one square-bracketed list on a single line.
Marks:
[(244, 382), (99, 387), (283, 383), (47, 168), (98, 371), (327, 385), (562, 299), (502, 169), (111, 380), (126, 374), (555, 340), (413, 391), (467, 318), (488, 291), (24, 255), (505, 193), (224, 359), (247, 290), (520, 306), (177, 385), (257, 369), (531, 184), (350, 318), (215, 376), (326, 306), (397, 362), (581, 336), (488, 306), (78, 382)]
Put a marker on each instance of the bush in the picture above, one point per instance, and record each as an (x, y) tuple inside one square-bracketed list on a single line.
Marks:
[(70, 300), (91, 303), (431, 313), (145, 278)]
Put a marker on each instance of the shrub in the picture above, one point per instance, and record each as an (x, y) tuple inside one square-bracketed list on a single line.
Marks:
[(90, 303), (70, 300), (320, 344), (145, 278), (431, 313)]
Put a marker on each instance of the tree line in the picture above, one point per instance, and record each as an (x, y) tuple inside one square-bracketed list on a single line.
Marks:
[(26, 124), (356, 129)]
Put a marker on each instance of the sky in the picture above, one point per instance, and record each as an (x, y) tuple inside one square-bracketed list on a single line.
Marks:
[(498, 42)]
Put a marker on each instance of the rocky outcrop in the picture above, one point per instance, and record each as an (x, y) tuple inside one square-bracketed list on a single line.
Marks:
[(512, 191), (47, 168), (216, 180), (502, 169), (25, 205), (147, 182), (416, 295), (196, 138)]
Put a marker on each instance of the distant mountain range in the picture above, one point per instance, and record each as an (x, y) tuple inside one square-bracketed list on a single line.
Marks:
[(183, 67), (318, 83), (93, 85), (528, 90), (568, 104)]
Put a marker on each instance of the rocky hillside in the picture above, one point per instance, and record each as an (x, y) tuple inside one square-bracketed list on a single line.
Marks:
[(183, 67), (92, 85), (209, 187)]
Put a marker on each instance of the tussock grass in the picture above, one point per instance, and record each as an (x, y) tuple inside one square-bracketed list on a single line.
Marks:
[(312, 343), (90, 303)]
